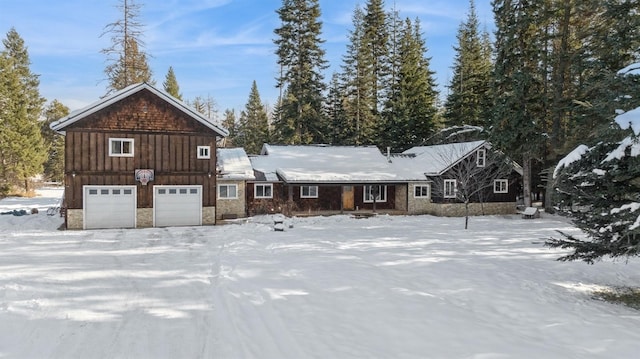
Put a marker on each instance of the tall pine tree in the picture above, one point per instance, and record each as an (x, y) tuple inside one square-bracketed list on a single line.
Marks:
[(127, 62), (411, 109), (22, 150), (253, 129), (299, 113), (519, 109), (468, 101), (231, 124)]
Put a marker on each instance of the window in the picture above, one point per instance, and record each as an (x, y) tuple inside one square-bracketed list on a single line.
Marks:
[(501, 186), (227, 191), (263, 190), (421, 191), (379, 192), (481, 157), (121, 147), (309, 192), (204, 152), (450, 188)]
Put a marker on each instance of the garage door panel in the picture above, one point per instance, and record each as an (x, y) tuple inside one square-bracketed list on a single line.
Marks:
[(177, 206), (109, 207)]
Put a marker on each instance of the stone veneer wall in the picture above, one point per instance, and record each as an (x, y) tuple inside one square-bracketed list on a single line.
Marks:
[(208, 215), (475, 209), (401, 197), (417, 205), (144, 217), (232, 206), (75, 219)]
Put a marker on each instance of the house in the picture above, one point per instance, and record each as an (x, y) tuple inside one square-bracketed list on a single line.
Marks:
[(234, 170), (317, 178), (466, 170), (139, 158)]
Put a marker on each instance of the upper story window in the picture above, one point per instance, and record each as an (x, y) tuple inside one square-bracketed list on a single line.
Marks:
[(204, 152), (121, 147), (450, 188), (379, 192), (501, 186), (263, 190), (309, 192), (481, 157), (421, 191)]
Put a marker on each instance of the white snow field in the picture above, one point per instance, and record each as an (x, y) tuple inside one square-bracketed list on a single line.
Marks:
[(329, 287)]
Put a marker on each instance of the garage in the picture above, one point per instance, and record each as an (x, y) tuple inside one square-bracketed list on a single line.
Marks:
[(177, 206), (109, 207)]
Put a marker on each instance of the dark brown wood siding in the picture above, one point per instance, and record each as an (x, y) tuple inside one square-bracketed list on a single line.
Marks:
[(165, 140)]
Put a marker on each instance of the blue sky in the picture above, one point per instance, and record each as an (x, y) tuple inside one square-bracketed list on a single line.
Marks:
[(216, 47)]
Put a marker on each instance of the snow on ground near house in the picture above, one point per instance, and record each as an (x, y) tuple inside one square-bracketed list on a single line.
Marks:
[(330, 287)]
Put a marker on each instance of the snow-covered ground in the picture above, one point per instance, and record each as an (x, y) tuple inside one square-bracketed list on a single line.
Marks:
[(329, 287)]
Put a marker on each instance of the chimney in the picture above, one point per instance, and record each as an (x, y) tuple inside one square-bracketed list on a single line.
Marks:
[(388, 154)]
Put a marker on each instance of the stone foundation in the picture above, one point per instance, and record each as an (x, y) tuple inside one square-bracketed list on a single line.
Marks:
[(208, 216), (75, 219), (144, 217), (475, 209)]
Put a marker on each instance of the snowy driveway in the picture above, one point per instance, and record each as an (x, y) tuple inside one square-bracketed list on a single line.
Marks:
[(330, 287)]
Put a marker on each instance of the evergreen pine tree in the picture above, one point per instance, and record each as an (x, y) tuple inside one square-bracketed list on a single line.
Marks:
[(300, 117), (411, 110), (127, 62), (231, 124), (54, 142), (519, 109), (470, 88), (374, 58), (341, 131), (170, 84), (253, 129), (22, 151), (599, 189), (357, 105)]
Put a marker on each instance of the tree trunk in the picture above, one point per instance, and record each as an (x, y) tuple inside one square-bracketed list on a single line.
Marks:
[(526, 179), (466, 214)]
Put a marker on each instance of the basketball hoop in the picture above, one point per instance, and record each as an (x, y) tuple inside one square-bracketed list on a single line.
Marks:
[(144, 176)]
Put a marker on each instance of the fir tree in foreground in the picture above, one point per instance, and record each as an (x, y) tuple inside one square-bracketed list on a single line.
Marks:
[(22, 150), (599, 187)]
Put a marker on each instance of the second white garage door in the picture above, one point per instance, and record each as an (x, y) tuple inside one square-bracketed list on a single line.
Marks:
[(177, 206)]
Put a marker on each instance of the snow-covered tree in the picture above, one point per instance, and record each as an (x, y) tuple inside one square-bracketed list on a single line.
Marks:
[(599, 186)]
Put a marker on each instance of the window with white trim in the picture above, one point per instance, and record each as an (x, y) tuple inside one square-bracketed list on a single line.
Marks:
[(450, 188), (481, 157), (121, 147), (308, 191), (264, 190), (422, 191), (501, 186), (227, 191), (379, 192), (204, 152)]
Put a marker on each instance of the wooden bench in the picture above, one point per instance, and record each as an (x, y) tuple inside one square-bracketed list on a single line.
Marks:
[(531, 213), (363, 215)]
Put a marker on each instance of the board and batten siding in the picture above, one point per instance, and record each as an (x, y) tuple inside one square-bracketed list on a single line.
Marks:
[(165, 140)]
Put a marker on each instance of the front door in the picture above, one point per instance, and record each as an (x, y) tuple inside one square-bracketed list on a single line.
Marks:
[(347, 198)]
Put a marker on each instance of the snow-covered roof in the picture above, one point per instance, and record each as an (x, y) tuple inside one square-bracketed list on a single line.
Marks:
[(437, 159), (233, 163), (328, 164), (77, 115)]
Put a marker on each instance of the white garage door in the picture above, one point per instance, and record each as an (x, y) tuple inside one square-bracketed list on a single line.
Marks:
[(177, 206), (109, 207)]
